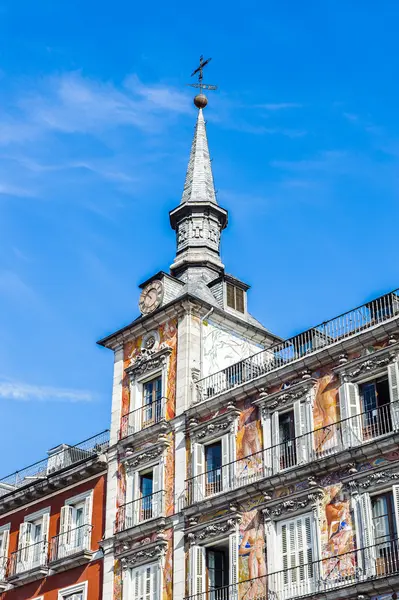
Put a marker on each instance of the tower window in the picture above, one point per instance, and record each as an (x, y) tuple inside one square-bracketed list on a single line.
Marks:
[(235, 297)]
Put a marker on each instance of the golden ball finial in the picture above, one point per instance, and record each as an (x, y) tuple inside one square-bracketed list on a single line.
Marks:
[(200, 101)]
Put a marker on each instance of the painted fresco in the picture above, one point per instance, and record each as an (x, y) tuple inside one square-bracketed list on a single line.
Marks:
[(169, 475), (337, 532), (251, 556), (167, 334), (326, 413), (121, 489), (249, 443), (117, 580), (222, 348), (167, 593)]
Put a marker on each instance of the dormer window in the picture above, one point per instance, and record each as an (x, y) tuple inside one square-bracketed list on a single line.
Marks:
[(235, 297)]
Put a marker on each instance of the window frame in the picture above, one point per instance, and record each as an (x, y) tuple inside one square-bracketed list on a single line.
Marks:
[(244, 298), (128, 590), (77, 588)]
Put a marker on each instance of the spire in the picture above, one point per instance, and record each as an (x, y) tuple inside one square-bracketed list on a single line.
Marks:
[(198, 220), (199, 186)]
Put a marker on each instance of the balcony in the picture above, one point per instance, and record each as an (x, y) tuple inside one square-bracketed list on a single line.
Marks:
[(346, 326), (43, 476), (374, 569), (140, 511), (142, 418), (317, 445), (29, 563), (71, 548)]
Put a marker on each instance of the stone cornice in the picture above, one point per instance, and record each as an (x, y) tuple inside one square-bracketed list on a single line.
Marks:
[(368, 364), (221, 424), (310, 499), (133, 460), (287, 396), (205, 532), (149, 360), (370, 481), (142, 552)]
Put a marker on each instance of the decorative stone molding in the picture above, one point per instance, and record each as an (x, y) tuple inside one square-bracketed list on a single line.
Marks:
[(220, 425), (144, 553), (312, 499), (138, 459), (149, 359), (366, 365), (287, 396), (206, 532), (372, 480)]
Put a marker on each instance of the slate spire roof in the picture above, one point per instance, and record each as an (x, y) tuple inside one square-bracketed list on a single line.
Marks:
[(199, 186)]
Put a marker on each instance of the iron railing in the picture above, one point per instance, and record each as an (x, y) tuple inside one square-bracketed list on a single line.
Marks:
[(142, 417), (313, 577), (56, 462), (140, 510), (279, 355), (314, 445), (30, 557), (70, 542)]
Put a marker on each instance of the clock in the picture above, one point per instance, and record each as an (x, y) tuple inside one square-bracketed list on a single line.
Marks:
[(151, 297)]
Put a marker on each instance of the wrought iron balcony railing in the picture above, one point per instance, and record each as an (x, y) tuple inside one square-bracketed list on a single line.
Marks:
[(356, 321), (28, 558), (142, 417), (70, 542), (313, 577), (290, 453), (56, 462), (140, 510)]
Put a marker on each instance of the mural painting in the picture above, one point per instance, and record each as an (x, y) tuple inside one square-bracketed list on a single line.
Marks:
[(169, 475), (326, 414), (117, 580), (249, 444), (168, 567), (251, 556), (337, 533)]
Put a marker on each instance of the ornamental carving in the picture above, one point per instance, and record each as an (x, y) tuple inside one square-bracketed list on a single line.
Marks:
[(149, 359), (144, 554), (373, 480), (220, 425), (294, 505), (287, 396), (367, 366), (141, 458), (214, 530)]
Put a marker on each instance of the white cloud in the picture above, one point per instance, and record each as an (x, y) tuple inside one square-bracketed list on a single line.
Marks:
[(279, 106), (13, 390)]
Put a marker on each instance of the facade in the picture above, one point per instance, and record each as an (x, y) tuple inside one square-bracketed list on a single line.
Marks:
[(243, 466), (52, 518)]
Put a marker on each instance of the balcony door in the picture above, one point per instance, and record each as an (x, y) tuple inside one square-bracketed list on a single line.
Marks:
[(152, 398), (296, 545)]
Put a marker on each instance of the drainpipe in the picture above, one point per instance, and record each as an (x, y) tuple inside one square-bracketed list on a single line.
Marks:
[(204, 318)]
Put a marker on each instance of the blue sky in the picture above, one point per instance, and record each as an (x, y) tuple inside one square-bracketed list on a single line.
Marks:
[(95, 129)]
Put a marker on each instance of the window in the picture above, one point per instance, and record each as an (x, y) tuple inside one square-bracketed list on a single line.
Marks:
[(213, 568), (297, 555), (32, 541), (146, 497), (75, 592), (217, 566), (75, 527), (4, 539), (144, 583), (213, 465), (152, 402), (235, 297), (286, 427), (376, 418), (385, 533), (292, 436)]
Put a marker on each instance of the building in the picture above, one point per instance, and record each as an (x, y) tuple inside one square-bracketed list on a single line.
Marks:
[(241, 465), (52, 517)]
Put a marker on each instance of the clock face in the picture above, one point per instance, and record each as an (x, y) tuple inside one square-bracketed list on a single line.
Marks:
[(151, 297)]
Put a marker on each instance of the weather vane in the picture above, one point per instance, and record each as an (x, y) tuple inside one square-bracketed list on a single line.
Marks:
[(201, 100)]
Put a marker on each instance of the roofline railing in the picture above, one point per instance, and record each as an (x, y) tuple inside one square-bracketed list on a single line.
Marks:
[(54, 463), (312, 340)]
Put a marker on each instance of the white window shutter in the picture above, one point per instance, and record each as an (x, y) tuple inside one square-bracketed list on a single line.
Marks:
[(275, 443), (302, 429), (24, 542), (225, 462), (395, 493), (198, 482), (393, 377), (66, 525), (197, 570), (267, 441), (297, 552), (368, 541), (273, 565), (233, 553), (351, 424), (156, 489), (45, 532), (4, 544), (87, 519)]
